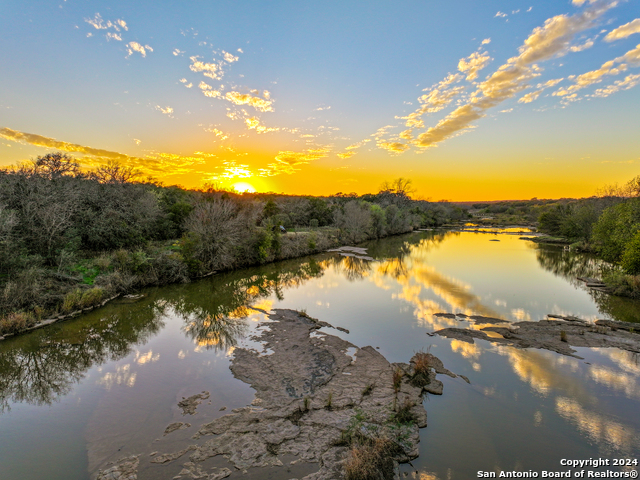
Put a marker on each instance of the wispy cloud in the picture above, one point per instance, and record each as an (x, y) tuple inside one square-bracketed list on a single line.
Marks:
[(551, 40), (610, 68), (261, 104), (628, 82), (155, 162), (623, 31), (253, 123), (287, 161), (473, 64), (99, 24)]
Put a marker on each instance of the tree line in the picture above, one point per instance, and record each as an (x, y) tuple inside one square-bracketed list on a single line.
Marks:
[(70, 237)]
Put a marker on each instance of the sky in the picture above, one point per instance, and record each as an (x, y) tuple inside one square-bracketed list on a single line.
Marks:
[(470, 99)]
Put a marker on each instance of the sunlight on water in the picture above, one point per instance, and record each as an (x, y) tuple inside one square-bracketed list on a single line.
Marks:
[(111, 380)]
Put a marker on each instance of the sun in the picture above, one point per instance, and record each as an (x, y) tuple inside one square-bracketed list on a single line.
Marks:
[(242, 187)]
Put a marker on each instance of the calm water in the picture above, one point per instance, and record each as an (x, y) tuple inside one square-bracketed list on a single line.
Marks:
[(91, 390)]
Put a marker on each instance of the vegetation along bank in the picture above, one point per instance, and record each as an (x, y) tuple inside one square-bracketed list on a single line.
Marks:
[(71, 239)]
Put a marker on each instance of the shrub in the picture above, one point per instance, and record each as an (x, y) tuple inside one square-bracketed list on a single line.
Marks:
[(373, 461), (16, 322), (71, 301), (630, 261), (91, 297)]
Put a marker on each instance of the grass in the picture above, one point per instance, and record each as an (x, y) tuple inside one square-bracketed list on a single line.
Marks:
[(329, 403), (373, 461), (397, 379), (421, 362), (404, 415), (16, 322), (563, 336)]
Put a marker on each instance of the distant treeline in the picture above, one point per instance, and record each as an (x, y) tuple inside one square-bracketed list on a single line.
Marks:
[(607, 224), (70, 238)]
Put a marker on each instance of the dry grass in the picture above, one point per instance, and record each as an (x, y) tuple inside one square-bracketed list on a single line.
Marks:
[(16, 322), (421, 367), (397, 379), (373, 461), (563, 336)]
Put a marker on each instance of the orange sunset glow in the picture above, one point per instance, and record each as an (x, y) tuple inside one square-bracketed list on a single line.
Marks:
[(485, 102)]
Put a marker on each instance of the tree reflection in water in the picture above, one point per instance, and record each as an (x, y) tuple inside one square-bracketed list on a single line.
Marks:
[(41, 367), (571, 265)]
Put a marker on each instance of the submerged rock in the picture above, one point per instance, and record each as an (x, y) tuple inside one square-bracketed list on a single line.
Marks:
[(189, 405), (555, 335), (124, 469), (175, 426)]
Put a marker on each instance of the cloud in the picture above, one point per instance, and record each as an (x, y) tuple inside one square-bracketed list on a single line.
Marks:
[(258, 103), (589, 78), (623, 31), (473, 64), (548, 41), (211, 70), (530, 97), (234, 170), (228, 57), (435, 100), (114, 36), (287, 161), (156, 163), (208, 90), (188, 85), (218, 133), (350, 150), (628, 82), (486, 41), (607, 69), (177, 52), (393, 147), (632, 56), (136, 47), (578, 48), (167, 110), (99, 24), (253, 123), (500, 14)]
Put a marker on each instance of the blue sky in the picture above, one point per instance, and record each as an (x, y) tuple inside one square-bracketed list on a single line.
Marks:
[(472, 100)]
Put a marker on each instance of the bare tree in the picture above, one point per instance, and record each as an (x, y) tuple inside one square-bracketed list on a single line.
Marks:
[(51, 166), (114, 172), (399, 186), (218, 227), (354, 221)]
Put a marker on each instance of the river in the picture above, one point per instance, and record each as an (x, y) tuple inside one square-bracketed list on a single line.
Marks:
[(78, 394)]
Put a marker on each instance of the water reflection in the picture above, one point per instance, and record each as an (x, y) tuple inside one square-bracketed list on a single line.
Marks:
[(41, 367), (569, 265)]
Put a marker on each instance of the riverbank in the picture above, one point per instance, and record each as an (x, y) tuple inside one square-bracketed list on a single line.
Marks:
[(53, 297)]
